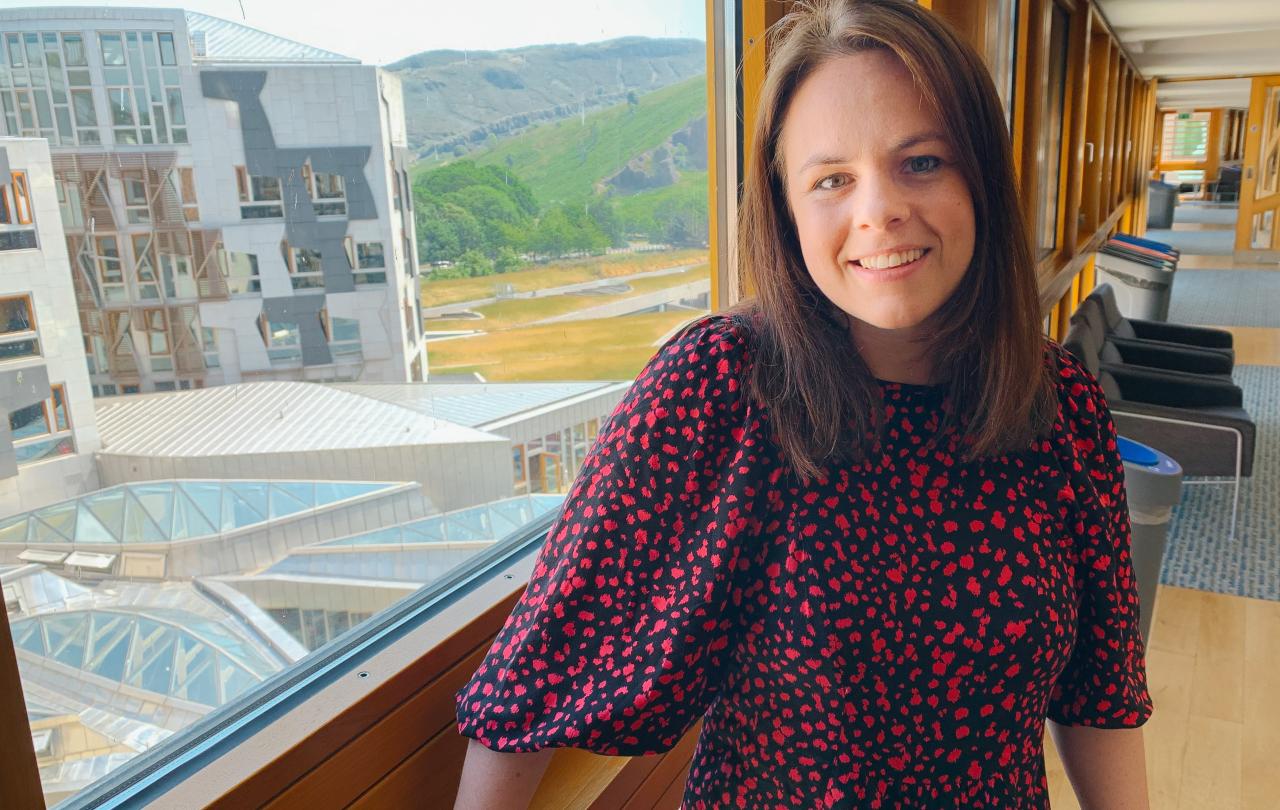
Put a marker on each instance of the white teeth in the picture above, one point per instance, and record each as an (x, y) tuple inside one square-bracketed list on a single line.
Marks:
[(886, 260)]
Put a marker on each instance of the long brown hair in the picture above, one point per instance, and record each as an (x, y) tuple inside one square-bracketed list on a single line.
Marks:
[(986, 345)]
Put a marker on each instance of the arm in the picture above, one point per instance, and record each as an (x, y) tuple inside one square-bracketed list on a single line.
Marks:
[(494, 779), (1107, 767)]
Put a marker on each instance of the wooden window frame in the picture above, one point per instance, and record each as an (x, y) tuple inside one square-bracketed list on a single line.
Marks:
[(21, 190)]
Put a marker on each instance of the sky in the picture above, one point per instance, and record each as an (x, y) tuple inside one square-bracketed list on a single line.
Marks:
[(381, 31)]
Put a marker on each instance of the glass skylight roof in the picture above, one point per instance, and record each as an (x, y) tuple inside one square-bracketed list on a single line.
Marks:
[(492, 521), (167, 651), (161, 511)]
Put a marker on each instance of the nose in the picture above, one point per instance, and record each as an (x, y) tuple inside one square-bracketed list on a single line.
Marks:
[(879, 202)]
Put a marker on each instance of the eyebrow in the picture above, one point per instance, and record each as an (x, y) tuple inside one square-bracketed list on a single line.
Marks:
[(905, 143)]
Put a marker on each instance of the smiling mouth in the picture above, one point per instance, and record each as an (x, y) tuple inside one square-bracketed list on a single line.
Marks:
[(888, 261)]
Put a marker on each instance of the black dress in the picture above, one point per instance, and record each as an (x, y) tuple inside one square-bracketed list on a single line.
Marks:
[(892, 635)]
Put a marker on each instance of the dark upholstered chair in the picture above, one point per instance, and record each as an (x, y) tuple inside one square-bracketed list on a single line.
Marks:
[(1119, 326), (1156, 355)]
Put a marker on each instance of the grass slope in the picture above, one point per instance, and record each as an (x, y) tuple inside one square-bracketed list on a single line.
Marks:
[(556, 274), (604, 349), (563, 161)]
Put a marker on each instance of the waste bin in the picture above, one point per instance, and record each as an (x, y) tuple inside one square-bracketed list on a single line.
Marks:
[(1143, 283), (1161, 198), (1153, 482)]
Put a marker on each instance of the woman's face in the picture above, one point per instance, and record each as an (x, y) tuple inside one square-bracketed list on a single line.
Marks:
[(884, 216)]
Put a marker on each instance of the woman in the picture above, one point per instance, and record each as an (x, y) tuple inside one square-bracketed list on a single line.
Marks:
[(869, 526)]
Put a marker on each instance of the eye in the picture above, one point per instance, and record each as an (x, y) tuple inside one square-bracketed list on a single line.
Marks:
[(832, 182), (923, 164)]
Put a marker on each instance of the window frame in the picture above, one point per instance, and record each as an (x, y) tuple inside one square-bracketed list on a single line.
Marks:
[(20, 189), (250, 199), (31, 334), (56, 438)]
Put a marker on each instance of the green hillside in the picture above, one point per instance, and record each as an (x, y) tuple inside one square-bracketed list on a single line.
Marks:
[(563, 161)]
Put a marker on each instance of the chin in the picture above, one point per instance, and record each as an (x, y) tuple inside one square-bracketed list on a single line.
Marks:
[(892, 319)]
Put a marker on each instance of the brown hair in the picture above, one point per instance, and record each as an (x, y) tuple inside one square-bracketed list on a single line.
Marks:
[(986, 343)]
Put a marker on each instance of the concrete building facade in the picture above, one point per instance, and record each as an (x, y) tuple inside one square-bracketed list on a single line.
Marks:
[(48, 434), (235, 204)]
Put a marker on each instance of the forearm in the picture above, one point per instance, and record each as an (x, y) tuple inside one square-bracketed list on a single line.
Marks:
[(1107, 767), (494, 779)]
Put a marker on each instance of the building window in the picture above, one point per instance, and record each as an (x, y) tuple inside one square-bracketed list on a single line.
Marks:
[(144, 264), (240, 272), (1184, 136), (305, 267), (328, 191), (143, 89), (33, 88), (209, 343), (136, 199), (16, 231), (367, 261), (187, 193), (343, 335), (18, 337), (179, 281), (21, 194), (260, 196), (43, 430), (110, 274), (156, 324), (518, 469), (284, 340)]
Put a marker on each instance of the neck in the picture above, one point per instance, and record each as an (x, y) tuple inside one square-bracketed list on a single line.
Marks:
[(896, 355)]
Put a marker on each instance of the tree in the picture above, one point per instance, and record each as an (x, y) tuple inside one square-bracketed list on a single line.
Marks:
[(474, 263), (507, 261)]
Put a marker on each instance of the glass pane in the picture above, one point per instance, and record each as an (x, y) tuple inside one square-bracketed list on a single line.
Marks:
[(29, 421), (216, 579), (112, 49), (15, 315), (73, 49)]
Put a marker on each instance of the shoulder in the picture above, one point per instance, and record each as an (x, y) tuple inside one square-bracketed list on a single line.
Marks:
[(713, 351), (1079, 392)]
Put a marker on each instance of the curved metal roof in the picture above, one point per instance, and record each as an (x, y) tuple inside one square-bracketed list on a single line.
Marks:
[(265, 417)]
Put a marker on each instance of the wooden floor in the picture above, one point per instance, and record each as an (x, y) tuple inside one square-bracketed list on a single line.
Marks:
[(1213, 665), (1214, 670)]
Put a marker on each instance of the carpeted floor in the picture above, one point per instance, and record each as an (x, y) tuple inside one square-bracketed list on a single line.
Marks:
[(1205, 214), (1199, 554), (1211, 243), (1226, 297)]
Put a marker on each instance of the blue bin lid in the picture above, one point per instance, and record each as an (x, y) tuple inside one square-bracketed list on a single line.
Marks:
[(1137, 453)]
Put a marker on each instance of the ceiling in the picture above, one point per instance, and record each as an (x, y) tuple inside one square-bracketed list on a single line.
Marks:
[(1171, 39)]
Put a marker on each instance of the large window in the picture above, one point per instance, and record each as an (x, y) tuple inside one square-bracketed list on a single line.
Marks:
[(518, 249), (144, 91), (260, 196), (1184, 136), (16, 227), (18, 338), (328, 192), (240, 271), (44, 91), (43, 430)]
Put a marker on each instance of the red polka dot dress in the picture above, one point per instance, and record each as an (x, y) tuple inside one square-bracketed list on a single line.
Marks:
[(891, 635)]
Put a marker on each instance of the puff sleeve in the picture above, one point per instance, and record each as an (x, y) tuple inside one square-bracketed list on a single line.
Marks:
[(617, 643), (1104, 683)]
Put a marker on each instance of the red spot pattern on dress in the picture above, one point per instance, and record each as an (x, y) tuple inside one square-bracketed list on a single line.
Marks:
[(892, 635)]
